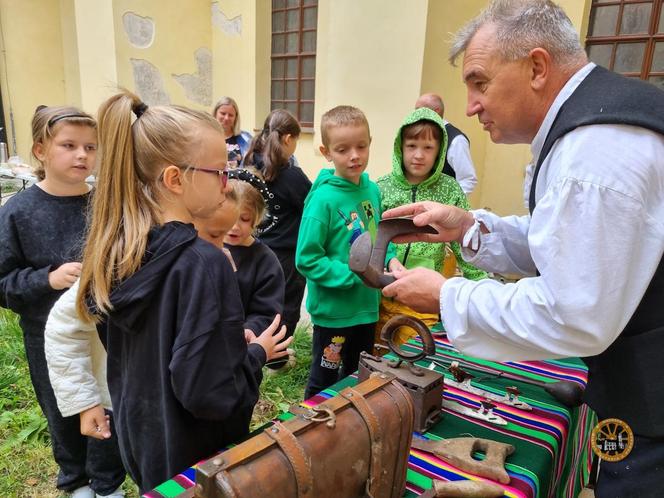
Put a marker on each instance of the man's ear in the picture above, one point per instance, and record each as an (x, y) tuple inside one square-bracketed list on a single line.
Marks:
[(540, 67), (326, 152), (39, 151), (172, 178)]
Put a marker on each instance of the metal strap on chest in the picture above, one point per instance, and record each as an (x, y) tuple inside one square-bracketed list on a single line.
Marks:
[(373, 426), (296, 456)]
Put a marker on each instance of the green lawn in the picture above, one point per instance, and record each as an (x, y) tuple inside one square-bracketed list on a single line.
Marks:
[(27, 468)]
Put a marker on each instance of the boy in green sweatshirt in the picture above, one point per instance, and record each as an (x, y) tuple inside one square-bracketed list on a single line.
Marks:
[(342, 204), (419, 153)]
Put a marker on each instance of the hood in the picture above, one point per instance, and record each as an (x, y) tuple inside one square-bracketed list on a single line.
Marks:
[(132, 298), (397, 157), (327, 177)]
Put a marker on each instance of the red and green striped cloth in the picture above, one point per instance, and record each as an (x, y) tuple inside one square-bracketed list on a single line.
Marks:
[(552, 457)]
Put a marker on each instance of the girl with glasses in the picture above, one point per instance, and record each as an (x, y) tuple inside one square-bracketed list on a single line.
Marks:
[(182, 379)]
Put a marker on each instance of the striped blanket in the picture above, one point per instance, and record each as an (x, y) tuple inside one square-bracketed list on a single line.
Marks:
[(552, 457)]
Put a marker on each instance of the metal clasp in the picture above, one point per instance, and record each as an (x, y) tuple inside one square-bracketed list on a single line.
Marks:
[(322, 413)]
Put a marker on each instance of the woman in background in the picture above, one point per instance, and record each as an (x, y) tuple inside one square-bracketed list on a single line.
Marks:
[(237, 141)]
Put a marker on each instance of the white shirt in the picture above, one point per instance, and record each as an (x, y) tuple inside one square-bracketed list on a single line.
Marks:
[(596, 236), (458, 155)]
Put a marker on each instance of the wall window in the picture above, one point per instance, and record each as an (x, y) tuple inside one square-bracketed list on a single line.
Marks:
[(294, 57), (627, 36)]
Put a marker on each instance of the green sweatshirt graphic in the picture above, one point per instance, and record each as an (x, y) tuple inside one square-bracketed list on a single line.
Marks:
[(396, 191), (336, 212)]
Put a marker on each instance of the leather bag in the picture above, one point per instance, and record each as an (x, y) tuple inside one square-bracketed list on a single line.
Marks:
[(353, 445)]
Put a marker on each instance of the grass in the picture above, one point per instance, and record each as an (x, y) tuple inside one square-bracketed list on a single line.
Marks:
[(27, 468)]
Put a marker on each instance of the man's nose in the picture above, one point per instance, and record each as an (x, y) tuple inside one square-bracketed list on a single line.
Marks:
[(473, 107)]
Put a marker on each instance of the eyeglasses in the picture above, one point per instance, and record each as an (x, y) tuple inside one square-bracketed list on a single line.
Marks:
[(222, 173)]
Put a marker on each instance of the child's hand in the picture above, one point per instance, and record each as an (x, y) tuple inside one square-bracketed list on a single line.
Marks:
[(395, 264), (64, 276), (272, 341), (249, 335), (95, 423)]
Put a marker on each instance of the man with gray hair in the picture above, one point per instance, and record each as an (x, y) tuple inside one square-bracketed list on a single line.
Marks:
[(592, 247), (458, 162)]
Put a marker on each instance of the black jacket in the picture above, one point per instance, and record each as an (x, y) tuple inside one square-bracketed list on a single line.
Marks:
[(282, 223), (261, 282), (182, 380)]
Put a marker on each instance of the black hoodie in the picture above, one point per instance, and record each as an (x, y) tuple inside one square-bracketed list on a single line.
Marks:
[(182, 380)]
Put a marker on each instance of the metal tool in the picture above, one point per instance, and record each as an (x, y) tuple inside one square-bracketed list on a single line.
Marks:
[(462, 381), (367, 258), (568, 393), (484, 412)]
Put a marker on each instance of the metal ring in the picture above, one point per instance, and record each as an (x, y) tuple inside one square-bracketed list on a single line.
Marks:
[(393, 324)]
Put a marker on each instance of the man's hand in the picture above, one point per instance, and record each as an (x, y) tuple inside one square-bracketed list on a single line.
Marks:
[(418, 288), (451, 222), (64, 276), (95, 423)]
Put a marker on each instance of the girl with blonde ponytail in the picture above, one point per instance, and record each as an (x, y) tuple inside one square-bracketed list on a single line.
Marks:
[(182, 379), (41, 236)]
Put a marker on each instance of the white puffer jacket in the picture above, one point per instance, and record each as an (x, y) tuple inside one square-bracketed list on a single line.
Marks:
[(76, 358)]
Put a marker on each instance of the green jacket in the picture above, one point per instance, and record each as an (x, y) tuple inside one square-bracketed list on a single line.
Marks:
[(336, 212), (396, 191)]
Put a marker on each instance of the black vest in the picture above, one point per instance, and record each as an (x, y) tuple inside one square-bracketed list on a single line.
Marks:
[(452, 133), (627, 380)]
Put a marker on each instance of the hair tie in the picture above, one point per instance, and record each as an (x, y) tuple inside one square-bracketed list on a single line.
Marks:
[(245, 175), (139, 109)]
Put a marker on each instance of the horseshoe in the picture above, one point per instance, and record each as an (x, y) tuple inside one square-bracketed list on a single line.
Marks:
[(367, 259)]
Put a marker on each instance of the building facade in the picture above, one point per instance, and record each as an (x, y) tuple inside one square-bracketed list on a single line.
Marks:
[(304, 55)]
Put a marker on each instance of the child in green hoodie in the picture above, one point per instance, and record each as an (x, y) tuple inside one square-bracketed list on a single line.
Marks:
[(417, 175), (342, 204)]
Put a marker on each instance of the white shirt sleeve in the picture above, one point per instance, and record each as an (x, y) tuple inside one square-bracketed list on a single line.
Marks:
[(76, 358), (596, 236), (458, 155), (505, 248)]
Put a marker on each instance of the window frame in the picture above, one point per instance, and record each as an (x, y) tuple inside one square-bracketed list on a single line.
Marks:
[(281, 101), (651, 38)]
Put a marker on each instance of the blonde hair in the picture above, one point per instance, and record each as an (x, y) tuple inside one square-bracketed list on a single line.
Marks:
[(231, 192), (278, 123), (46, 123), (251, 199), (341, 115), (229, 101), (126, 202)]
